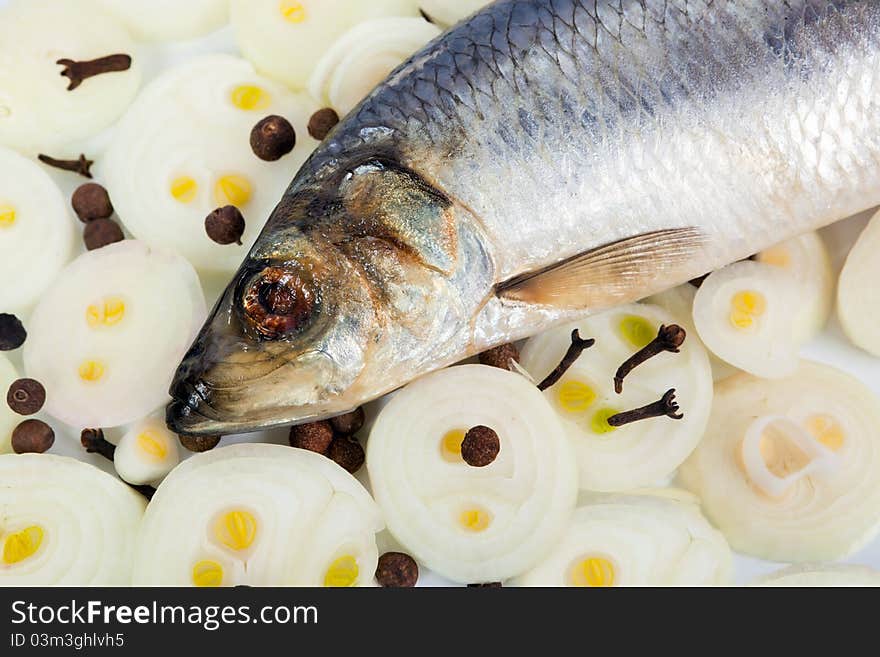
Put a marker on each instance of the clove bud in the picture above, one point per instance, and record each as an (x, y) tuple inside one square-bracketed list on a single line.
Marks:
[(77, 72), (95, 443), (669, 338), (574, 352), (81, 165), (665, 406)]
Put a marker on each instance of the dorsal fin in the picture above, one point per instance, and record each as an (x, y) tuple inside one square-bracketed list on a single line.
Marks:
[(606, 275)]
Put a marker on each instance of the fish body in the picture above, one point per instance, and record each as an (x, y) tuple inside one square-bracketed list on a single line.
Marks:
[(542, 160)]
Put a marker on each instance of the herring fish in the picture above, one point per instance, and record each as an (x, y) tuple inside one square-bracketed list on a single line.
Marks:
[(542, 160)]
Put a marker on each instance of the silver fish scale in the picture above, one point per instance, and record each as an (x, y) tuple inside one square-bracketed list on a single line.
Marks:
[(567, 124)]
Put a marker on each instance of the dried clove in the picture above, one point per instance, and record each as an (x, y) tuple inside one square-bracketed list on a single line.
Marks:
[(665, 406), (95, 443), (669, 338), (78, 71), (81, 165), (574, 352)]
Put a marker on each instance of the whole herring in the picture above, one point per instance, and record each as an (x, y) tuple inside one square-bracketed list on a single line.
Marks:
[(542, 160)]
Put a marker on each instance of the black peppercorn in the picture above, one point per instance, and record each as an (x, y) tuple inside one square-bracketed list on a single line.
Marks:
[(91, 201), (12, 333), (397, 570), (225, 225), (322, 122), (347, 452), (480, 446), (314, 436), (199, 444), (26, 396), (273, 138), (101, 232), (32, 436), (348, 423)]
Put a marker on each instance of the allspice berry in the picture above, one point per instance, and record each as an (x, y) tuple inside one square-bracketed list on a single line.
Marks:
[(348, 423), (500, 356), (225, 225), (272, 138), (91, 201), (347, 452), (322, 122), (26, 396), (397, 570), (32, 436), (12, 333), (314, 436), (199, 444), (480, 446), (101, 232)]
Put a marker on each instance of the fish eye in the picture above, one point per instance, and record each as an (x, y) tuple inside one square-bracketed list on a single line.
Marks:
[(277, 302)]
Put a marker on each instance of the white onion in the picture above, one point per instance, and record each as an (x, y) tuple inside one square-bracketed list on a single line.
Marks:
[(106, 337), (747, 315), (164, 20), (364, 56), (184, 139), (472, 524), (789, 469), (64, 522), (822, 575), (858, 294), (635, 540), (285, 38), (644, 452), (805, 259), (36, 231), (258, 515), (37, 112), (147, 452)]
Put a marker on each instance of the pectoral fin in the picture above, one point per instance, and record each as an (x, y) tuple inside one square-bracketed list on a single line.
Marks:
[(610, 274)]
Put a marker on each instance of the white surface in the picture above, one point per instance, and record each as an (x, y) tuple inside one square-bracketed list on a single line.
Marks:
[(831, 347)]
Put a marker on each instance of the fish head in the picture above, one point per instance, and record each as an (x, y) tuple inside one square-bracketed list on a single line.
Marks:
[(352, 287), (285, 342)]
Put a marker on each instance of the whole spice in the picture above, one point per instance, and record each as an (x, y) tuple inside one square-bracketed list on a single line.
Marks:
[(95, 443), (225, 225), (574, 352), (347, 452), (500, 356), (665, 406), (91, 201), (101, 232), (273, 138), (199, 444), (480, 446), (78, 71), (348, 423), (32, 436), (12, 333), (669, 338), (26, 396), (314, 436), (81, 165), (322, 122), (397, 570)]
